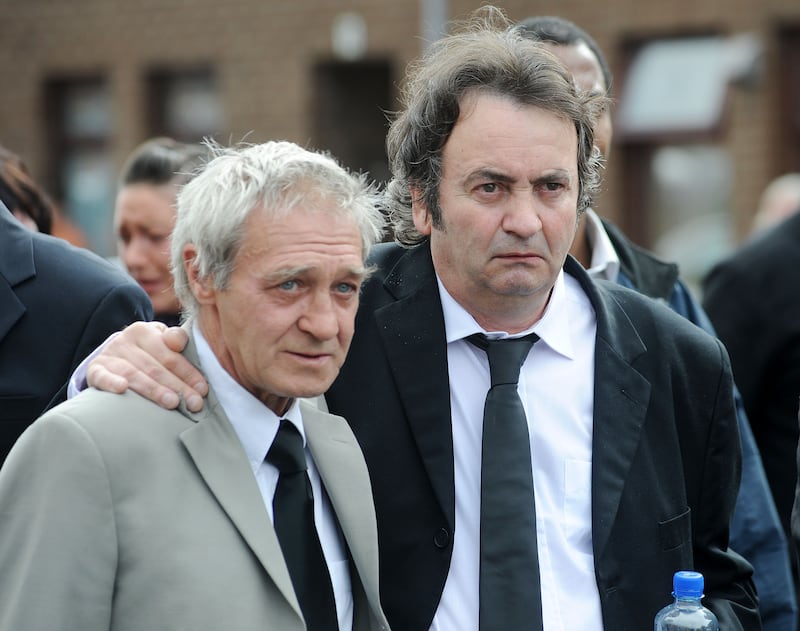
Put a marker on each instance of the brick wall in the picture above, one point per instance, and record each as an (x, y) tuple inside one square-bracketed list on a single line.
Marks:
[(262, 52)]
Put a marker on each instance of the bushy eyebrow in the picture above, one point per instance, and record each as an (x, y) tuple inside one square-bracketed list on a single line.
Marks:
[(287, 273), (488, 174), (497, 176), (554, 175)]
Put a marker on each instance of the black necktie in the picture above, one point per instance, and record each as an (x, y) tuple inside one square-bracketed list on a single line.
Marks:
[(510, 594), (293, 511)]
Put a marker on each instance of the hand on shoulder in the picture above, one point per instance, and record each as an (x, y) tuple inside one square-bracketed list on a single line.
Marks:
[(146, 357)]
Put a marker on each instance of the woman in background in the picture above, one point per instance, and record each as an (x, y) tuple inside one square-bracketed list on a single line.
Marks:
[(144, 216), (22, 196)]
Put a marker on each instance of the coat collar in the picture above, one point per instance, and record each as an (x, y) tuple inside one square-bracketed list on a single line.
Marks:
[(344, 475), (414, 338), (16, 244), (648, 274), (220, 459), (16, 265), (621, 398)]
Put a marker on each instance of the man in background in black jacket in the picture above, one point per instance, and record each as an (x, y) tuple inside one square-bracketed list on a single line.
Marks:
[(58, 303), (753, 299)]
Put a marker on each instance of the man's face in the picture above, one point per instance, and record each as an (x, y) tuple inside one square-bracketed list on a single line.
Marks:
[(508, 198), (283, 324), (582, 63)]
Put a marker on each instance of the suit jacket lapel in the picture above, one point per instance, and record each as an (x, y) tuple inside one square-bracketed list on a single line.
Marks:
[(414, 339), (12, 310), (344, 475), (220, 459), (16, 265), (621, 397)]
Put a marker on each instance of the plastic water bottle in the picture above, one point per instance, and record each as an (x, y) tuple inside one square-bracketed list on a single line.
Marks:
[(686, 613)]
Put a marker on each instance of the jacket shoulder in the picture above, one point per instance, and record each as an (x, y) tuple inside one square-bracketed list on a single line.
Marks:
[(105, 414), (55, 256), (384, 256), (652, 319)]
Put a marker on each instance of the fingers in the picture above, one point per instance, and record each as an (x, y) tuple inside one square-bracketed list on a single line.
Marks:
[(102, 378), (145, 357), (193, 385)]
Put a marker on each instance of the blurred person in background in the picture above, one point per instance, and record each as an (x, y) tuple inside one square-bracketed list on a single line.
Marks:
[(30, 204), (753, 299), (21, 195), (144, 216), (795, 520), (57, 302), (780, 199), (608, 254)]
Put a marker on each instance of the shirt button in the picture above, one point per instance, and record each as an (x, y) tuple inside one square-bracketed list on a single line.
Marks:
[(442, 538)]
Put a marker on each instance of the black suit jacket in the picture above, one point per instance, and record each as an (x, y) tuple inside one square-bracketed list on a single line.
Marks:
[(57, 304), (753, 299), (665, 448)]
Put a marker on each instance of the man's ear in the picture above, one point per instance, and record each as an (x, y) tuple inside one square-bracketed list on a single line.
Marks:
[(202, 288), (419, 211)]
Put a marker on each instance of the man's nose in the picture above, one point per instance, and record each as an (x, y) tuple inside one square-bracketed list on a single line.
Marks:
[(522, 216), (320, 319)]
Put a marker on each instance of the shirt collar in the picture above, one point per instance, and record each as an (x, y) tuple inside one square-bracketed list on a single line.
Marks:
[(605, 262), (552, 328), (255, 424)]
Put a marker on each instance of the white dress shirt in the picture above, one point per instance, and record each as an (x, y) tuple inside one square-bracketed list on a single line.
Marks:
[(604, 262), (256, 425), (557, 390)]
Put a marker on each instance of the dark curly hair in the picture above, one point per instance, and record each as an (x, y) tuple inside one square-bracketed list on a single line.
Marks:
[(487, 55)]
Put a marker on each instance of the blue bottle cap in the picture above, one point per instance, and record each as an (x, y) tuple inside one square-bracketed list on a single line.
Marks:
[(688, 584)]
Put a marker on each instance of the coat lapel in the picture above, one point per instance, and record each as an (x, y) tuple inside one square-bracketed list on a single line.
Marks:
[(12, 310), (344, 475), (220, 459), (16, 265), (415, 342), (621, 397)]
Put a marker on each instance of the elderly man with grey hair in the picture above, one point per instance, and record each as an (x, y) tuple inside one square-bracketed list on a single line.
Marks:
[(255, 512)]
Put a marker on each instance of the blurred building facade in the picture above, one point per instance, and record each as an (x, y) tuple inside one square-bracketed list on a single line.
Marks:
[(707, 94)]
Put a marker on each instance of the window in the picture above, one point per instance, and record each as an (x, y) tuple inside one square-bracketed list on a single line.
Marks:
[(689, 200), (349, 112), (81, 178), (184, 104), (788, 139), (677, 173), (680, 85)]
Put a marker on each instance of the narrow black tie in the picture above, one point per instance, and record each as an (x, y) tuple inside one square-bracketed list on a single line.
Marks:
[(510, 590), (293, 512)]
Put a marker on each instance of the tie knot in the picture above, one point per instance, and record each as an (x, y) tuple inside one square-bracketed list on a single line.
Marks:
[(286, 452), (505, 356)]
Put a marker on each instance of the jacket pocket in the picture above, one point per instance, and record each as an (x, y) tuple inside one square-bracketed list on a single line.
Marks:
[(676, 531)]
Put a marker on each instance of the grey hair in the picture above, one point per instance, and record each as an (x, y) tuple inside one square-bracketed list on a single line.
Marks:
[(273, 177), (487, 55)]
